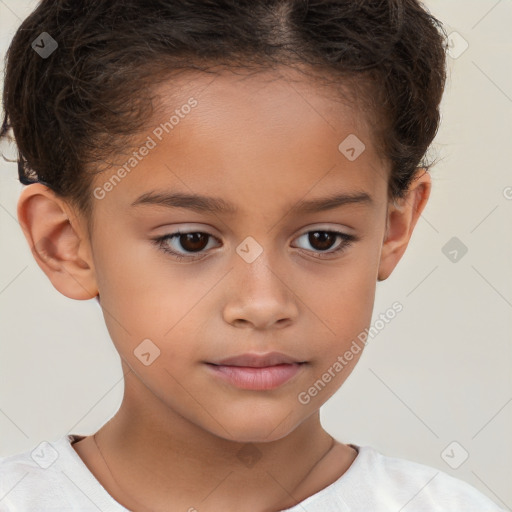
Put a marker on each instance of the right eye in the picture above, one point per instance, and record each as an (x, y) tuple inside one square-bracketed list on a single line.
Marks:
[(192, 242)]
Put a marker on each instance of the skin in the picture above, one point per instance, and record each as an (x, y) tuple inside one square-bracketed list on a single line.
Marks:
[(262, 145)]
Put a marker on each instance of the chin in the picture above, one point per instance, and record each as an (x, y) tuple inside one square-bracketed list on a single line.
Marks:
[(255, 429)]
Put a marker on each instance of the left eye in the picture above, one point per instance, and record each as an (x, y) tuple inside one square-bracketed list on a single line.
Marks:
[(323, 240), (196, 242)]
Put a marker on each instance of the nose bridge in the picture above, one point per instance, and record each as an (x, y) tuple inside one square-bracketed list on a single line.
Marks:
[(261, 292), (262, 275)]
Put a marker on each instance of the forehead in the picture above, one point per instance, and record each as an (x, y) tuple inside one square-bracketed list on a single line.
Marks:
[(254, 140), (283, 102)]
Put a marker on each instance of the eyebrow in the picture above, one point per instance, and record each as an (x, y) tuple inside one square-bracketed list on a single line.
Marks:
[(217, 205)]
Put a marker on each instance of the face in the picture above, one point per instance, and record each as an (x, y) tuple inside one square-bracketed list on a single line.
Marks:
[(259, 272)]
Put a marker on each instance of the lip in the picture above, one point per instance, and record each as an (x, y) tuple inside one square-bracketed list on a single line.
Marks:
[(257, 360), (256, 378)]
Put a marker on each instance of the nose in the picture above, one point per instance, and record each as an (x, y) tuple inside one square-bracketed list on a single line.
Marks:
[(261, 296)]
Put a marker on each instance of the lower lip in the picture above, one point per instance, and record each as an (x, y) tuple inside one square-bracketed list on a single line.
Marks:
[(268, 377)]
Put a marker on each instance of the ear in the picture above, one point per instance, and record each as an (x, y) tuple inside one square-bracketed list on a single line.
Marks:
[(401, 220), (58, 240)]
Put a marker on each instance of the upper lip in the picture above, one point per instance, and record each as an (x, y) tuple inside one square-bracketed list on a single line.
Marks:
[(258, 360)]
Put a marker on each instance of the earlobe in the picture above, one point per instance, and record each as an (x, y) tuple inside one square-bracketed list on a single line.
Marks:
[(57, 241), (401, 221)]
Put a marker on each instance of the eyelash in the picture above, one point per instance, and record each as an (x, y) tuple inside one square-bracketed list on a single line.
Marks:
[(348, 240)]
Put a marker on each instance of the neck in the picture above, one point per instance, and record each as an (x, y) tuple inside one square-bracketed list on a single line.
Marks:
[(151, 463)]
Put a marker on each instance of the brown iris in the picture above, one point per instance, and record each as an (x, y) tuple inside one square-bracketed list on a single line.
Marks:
[(325, 238), (193, 241)]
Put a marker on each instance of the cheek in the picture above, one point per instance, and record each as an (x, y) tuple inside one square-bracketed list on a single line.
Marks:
[(129, 276), (343, 309), (142, 298), (344, 312), (343, 299)]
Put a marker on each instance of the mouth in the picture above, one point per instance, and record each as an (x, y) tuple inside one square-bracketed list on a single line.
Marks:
[(254, 360), (260, 378)]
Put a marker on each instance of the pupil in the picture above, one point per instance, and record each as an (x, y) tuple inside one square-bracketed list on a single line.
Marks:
[(321, 236), (194, 238)]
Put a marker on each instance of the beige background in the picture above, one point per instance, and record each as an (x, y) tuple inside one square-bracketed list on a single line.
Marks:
[(440, 372)]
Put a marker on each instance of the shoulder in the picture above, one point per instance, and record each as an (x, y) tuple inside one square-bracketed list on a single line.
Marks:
[(390, 482), (26, 477), (50, 477), (20, 472)]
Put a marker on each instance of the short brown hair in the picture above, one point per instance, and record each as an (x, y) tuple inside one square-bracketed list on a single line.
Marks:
[(72, 109)]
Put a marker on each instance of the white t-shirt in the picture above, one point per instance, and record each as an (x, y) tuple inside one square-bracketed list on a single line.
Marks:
[(53, 478)]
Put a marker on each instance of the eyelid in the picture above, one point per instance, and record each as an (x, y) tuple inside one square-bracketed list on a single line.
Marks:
[(325, 227), (194, 227), (185, 227)]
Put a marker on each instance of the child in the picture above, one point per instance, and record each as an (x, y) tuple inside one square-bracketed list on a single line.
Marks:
[(182, 160)]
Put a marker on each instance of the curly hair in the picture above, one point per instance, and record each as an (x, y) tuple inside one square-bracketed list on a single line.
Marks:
[(70, 111)]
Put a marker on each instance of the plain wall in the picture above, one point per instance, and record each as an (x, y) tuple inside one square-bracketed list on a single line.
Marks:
[(439, 372)]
